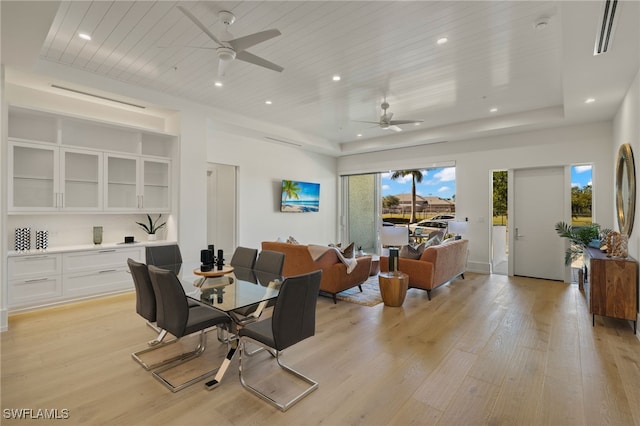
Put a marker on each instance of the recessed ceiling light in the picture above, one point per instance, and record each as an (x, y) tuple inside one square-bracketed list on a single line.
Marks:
[(417, 124), (442, 40), (493, 110), (84, 36), (336, 78), (268, 102), (359, 135), (590, 100), (218, 84)]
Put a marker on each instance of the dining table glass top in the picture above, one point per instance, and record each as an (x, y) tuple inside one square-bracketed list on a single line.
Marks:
[(239, 288)]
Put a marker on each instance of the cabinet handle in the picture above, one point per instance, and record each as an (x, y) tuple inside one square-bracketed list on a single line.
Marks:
[(35, 257), (35, 280), (107, 271), (106, 251)]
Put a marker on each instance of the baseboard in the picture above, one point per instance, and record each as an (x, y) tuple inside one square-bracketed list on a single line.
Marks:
[(4, 320), (479, 267)]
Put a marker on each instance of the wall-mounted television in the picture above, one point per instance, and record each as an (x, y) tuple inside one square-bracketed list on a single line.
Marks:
[(299, 197)]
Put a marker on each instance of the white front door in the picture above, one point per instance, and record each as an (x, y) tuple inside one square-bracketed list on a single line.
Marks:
[(538, 204)]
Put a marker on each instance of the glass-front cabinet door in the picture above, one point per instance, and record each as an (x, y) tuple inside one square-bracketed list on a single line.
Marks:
[(34, 177), (137, 184), (122, 183), (155, 185), (82, 180)]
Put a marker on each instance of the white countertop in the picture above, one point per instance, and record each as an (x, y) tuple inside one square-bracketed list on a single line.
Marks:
[(87, 247)]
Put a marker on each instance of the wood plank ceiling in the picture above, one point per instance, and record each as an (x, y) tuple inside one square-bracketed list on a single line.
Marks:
[(495, 57)]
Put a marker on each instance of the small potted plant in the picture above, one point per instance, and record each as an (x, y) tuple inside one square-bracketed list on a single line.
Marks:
[(152, 227)]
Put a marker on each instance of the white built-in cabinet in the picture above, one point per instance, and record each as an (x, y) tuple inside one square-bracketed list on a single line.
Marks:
[(68, 164), (41, 279)]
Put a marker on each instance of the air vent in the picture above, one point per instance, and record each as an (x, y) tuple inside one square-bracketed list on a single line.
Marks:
[(68, 89), (606, 27), (282, 141)]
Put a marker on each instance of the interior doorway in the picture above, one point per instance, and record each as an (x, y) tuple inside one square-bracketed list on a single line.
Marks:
[(500, 222), (538, 204), (222, 209)]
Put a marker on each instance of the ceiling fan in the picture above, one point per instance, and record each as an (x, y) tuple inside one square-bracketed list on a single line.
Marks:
[(235, 48), (387, 123)]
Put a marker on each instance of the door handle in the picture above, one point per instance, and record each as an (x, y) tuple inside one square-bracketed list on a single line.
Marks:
[(518, 234)]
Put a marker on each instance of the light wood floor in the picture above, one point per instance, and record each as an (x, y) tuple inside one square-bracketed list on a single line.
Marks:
[(486, 350)]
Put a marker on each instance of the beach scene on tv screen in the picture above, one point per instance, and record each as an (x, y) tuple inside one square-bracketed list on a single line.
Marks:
[(300, 197)]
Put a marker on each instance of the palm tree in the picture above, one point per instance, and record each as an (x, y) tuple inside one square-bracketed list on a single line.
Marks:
[(290, 189), (416, 176)]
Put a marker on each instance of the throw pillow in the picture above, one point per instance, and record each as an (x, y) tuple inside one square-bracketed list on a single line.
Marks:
[(292, 240), (409, 252), (347, 252)]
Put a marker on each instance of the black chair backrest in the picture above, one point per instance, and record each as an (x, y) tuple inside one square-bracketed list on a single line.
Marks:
[(145, 296), (172, 307), (163, 255), (270, 261), (294, 316), (244, 257)]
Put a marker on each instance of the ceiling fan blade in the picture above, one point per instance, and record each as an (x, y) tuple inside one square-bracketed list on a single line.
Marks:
[(188, 46), (395, 122), (370, 122), (394, 128), (256, 60), (199, 24), (241, 43)]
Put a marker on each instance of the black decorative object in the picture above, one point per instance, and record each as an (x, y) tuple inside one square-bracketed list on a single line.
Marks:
[(42, 240), (220, 260), (393, 259), (23, 239), (206, 257)]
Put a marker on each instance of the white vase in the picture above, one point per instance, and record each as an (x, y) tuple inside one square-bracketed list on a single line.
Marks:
[(152, 237)]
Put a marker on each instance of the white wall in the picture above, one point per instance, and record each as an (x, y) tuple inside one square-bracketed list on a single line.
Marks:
[(262, 165), (475, 159), (626, 129)]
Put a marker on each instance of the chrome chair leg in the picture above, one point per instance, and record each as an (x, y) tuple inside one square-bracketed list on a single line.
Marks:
[(313, 385), (159, 339), (202, 345)]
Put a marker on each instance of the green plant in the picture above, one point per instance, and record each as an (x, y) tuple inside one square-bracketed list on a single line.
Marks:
[(580, 237), (152, 227)]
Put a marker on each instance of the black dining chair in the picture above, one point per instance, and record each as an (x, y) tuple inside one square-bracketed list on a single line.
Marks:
[(244, 257), (163, 255), (175, 316), (146, 307), (268, 262), (293, 320)]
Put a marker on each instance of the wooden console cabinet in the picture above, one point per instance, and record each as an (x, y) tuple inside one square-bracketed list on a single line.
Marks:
[(611, 286)]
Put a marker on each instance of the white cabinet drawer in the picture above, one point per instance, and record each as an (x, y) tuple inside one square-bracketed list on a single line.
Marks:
[(100, 260), (31, 290), (37, 266), (104, 281)]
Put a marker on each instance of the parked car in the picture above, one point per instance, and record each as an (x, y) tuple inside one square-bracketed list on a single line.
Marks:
[(425, 227), (446, 217)]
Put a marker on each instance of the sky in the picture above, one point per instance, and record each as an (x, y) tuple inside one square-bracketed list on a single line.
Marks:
[(581, 175), (440, 182)]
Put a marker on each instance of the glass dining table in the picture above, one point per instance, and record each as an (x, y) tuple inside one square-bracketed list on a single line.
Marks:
[(231, 291)]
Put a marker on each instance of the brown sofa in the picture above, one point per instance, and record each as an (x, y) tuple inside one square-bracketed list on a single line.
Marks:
[(298, 260), (437, 265)]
